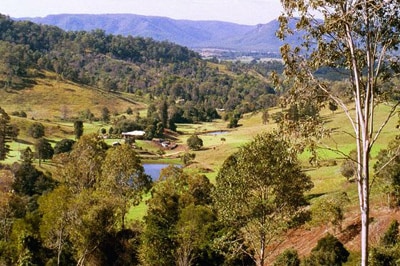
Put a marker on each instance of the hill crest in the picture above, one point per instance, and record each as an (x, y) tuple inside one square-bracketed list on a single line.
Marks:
[(196, 35)]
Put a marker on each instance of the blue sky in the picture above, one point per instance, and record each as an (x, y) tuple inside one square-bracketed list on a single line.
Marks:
[(248, 12)]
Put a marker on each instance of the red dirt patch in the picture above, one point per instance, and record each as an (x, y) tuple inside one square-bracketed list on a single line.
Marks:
[(305, 239)]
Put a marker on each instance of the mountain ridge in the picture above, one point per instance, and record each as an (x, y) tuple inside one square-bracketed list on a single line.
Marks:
[(193, 34)]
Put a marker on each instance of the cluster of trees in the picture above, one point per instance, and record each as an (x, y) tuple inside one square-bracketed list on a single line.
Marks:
[(78, 214), (387, 250)]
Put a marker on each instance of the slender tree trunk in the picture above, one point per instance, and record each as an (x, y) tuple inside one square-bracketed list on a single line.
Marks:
[(365, 205), (363, 152), (262, 250), (59, 248)]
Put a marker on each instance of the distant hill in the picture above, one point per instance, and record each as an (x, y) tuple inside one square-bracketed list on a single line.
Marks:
[(196, 35)]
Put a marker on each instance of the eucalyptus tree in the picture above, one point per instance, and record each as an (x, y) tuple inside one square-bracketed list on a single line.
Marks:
[(258, 191), (57, 216), (359, 39), (124, 178), (179, 223), (80, 169)]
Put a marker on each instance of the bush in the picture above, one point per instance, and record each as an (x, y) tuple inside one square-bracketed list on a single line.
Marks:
[(391, 236), (289, 257), (129, 111), (329, 251), (19, 113), (388, 252), (348, 168), (36, 130), (187, 158), (64, 145), (43, 149), (194, 142)]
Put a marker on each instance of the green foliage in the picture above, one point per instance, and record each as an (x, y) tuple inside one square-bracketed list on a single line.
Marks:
[(258, 191), (391, 236), (387, 252), (27, 156), (129, 111), (124, 178), (43, 149), (5, 134), (234, 120), (302, 112), (358, 39), (330, 209), (64, 145), (78, 129), (36, 130), (163, 110), (194, 142), (83, 220), (87, 115), (26, 243), (57, 217), (387, 169), (30, 181), (187, 158), (81, 168), (348, 169), (133, 65), (193, 232), (105, 114), (14, 132), (265, 116), (19, 114), (329, 251), (332, 106), (178, 224), (14, 63), (289, 257)]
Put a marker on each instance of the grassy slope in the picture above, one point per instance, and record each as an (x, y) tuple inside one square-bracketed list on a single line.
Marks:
[(52, 98)]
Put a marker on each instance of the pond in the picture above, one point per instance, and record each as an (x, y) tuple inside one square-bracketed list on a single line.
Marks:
[(216, 133), (154, 169)]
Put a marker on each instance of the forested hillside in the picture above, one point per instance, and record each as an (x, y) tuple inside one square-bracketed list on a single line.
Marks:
[(137, 65)]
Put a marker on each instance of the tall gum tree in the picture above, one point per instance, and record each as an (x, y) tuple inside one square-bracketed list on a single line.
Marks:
[(258, 192), (359, 39)]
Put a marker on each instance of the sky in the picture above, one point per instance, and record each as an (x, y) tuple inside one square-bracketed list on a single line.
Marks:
[(247, 12)]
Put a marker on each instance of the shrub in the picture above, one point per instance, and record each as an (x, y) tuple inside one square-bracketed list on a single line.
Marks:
[(289, 257), (194, 142), (329, 251), (36, 130), (64, 145)]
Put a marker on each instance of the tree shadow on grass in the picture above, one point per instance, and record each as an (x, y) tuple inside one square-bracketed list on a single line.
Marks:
[(21, 141), (314, 196)]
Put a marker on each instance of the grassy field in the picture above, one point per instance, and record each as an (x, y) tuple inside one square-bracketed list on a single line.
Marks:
[(52, 99)]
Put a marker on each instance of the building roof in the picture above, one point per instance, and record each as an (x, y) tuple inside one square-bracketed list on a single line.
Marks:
[(134, 133)]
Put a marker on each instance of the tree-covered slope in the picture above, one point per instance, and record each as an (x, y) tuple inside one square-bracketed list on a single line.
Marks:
[(193, 34), (142, 66)]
